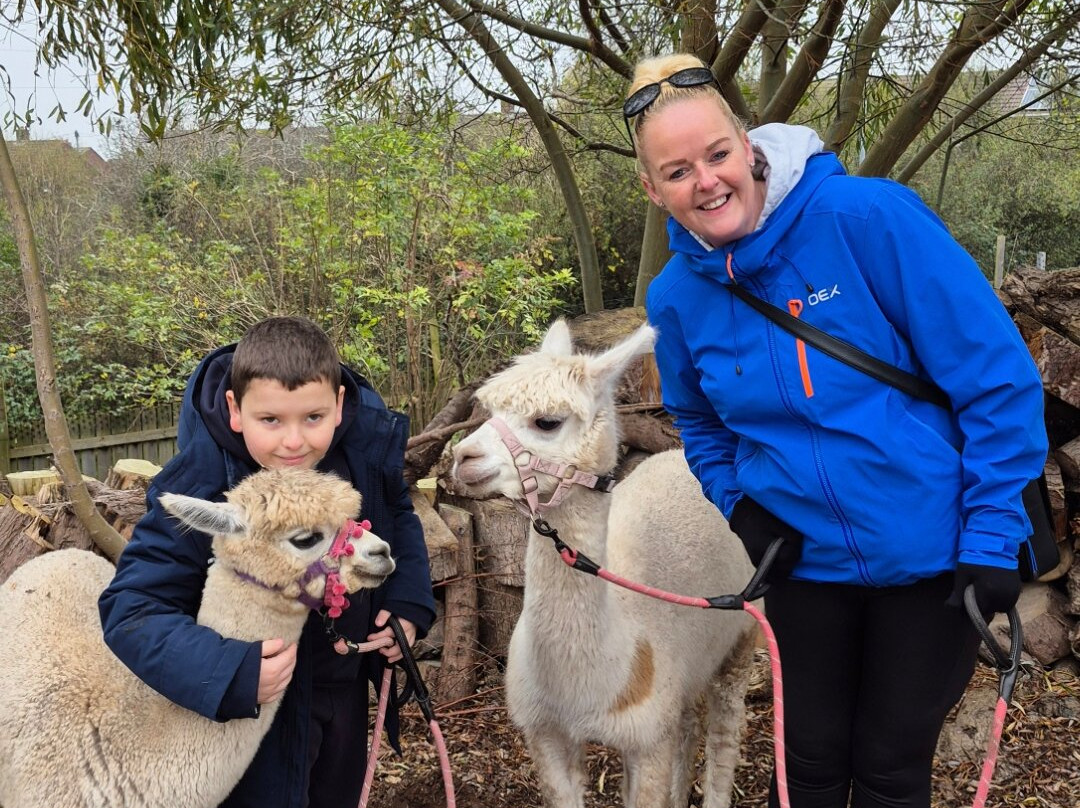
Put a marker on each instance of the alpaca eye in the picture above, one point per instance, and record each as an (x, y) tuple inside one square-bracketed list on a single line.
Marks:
[(306, 542), (546, 424)]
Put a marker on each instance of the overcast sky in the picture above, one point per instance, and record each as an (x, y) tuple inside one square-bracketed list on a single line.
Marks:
[(18, 49)]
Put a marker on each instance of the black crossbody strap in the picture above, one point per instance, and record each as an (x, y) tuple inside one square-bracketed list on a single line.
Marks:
[(845, 352)]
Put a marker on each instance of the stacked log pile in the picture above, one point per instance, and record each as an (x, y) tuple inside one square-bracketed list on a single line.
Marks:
[(1046, 309)]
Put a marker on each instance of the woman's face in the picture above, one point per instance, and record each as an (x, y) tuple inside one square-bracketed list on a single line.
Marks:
[(697, 165)]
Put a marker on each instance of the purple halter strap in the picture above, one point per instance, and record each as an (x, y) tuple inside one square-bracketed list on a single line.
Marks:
[(334, 597)]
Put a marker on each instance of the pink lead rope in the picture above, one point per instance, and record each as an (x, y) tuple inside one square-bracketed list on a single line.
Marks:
[(344, 646), (753, 591), (1008, 665)]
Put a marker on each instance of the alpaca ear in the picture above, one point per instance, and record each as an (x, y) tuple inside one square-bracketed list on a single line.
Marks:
[(557, 340), (212, 518), (609, 366)]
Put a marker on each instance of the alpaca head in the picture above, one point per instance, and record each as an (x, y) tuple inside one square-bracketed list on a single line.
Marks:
[(278, 524), (559, 405)]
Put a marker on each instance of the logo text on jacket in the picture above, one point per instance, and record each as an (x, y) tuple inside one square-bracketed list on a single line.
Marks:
[(821, 295)]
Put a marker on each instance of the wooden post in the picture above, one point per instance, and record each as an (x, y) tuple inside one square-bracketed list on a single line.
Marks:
[(5, 437), (999, 261), (131, 472), (1040, 261), (457, 674)]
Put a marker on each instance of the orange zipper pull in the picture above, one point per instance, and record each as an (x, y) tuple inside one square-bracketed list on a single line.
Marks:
[(795, 308)]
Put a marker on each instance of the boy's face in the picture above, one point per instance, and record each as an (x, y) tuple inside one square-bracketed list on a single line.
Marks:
[(286, 428)]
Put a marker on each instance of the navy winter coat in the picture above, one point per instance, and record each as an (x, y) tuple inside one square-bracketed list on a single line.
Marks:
[(887, 489), (148, 611)]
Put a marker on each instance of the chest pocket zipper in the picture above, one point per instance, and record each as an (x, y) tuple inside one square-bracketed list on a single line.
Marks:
[(795, 308)]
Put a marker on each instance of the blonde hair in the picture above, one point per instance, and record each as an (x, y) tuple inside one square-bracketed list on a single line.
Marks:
[(656, 68)]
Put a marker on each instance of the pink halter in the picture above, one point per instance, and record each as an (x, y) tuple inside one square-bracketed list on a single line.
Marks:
[(527, 463)]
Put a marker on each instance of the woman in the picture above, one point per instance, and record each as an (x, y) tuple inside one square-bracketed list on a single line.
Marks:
[(889, 505)]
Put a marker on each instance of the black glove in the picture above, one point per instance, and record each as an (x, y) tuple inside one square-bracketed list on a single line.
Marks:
[(758, 528), (996, 588)]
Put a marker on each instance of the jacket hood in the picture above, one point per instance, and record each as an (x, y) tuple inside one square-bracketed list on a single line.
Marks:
[(785, 150), (209, 399), (795, 166)]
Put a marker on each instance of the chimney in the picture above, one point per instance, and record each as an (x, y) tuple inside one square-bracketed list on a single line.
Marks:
[(22, 133)]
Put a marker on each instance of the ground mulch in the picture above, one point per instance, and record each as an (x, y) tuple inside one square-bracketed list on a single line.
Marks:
[(1038, 764)]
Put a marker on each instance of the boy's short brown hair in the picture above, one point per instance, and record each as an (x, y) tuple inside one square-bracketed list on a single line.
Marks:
[(292, 351)]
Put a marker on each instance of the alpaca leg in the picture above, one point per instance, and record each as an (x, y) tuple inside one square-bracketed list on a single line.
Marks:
[(688, 738), (725, 719), (650, 785), (560, 767), (631, 762)]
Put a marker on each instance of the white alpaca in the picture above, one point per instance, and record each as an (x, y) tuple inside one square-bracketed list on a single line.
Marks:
[(79, 730), (591, 661)]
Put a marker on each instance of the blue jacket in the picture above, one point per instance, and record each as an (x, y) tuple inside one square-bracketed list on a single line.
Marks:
[(148, 611), (887, 489)]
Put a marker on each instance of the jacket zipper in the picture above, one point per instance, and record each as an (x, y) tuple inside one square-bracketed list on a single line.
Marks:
[(795, 308)]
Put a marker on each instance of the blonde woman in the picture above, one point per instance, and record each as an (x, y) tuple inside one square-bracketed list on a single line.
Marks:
[(889, 505)]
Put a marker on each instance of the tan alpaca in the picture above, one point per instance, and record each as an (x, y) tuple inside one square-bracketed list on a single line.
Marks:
[(588, 660), (79, 730)]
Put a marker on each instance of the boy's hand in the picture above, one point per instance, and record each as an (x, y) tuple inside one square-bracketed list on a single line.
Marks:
[(276, 670), (391, 652)]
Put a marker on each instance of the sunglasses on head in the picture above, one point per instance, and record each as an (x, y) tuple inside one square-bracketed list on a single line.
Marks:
[(644, 97)]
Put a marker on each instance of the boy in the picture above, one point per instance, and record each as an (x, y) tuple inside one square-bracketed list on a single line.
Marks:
[(278, 398)]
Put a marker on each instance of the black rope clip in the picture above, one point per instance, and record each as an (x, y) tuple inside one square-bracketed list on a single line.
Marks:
[(330, 627), (414, 686), (1007, 663), (757, 586), (578, 561)]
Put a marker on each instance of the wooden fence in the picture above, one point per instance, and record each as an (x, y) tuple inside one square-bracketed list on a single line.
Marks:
[(99, 441)]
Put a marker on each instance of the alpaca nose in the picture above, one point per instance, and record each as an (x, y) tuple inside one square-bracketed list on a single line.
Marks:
[(466, 451), (469, 467), (375, 558), (376, 551)]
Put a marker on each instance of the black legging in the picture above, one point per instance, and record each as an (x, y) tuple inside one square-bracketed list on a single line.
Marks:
[(869, 676)]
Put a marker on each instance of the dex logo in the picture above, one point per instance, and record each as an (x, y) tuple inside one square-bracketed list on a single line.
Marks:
[(821, 295)]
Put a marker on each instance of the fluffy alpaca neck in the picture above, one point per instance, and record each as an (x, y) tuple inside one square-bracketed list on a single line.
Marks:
[(253, 614), (224, 749), (561, 601)]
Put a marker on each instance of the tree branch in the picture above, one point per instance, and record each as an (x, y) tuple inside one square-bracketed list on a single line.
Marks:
[(982, 22), (560, 162), (775, 35), (736, 100), (853, 80), (597, 49), (617, 36), (979, 101), (806, 64), (741, 37), (101, 532), (590, 145)]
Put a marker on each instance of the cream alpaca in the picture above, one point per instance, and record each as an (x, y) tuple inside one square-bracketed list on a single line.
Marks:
[(590, 661), (81, 731)]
